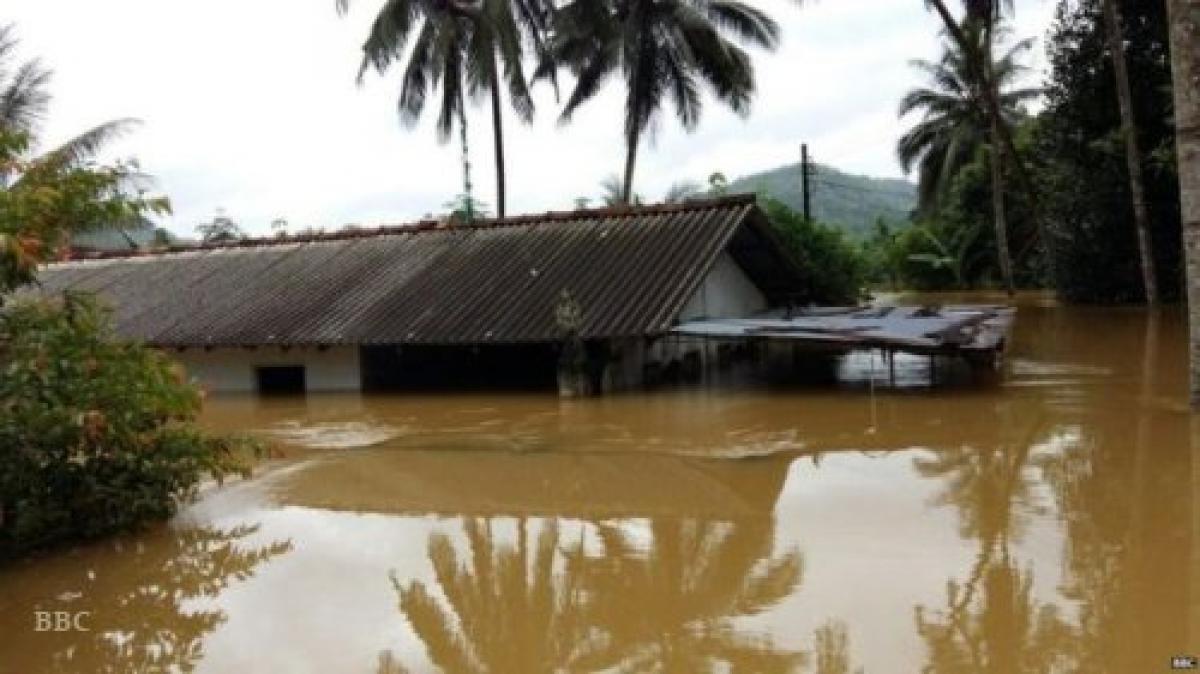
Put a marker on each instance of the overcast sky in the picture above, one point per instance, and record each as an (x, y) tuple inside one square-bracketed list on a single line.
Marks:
[(251, 106)]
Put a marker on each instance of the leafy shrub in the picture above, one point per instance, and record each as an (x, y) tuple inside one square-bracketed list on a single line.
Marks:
[(95, 433), (836, 270)]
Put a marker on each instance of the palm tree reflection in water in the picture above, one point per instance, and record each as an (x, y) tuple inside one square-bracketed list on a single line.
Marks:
[(599, 599), (991, 622), (140, 601)]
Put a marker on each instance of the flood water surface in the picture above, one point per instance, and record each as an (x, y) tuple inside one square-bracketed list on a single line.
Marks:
[(1049, 522)]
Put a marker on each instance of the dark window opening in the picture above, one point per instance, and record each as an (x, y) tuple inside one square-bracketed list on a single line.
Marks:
[(280, 379), (501, 367)]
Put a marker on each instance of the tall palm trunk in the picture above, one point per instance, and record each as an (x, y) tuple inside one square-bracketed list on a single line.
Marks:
[(1185, 66), (631, 148), (1133, 155), (498, 133), (468, 189), (999, 215)]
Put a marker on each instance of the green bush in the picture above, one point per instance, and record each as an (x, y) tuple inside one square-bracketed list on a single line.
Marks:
[(95, 433), (836, 269)]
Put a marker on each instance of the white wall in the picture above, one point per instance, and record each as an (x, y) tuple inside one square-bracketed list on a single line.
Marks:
[(232, 370), (726, 293)]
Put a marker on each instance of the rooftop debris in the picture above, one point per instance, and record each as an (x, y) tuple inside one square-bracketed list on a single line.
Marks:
[(913, 329)]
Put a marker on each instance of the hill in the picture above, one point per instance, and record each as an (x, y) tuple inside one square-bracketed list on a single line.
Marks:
[(852, 202)]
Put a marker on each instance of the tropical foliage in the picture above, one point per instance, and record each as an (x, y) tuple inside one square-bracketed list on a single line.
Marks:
[(954, 127), (662, 51), (1080, 156), (836, 272), (1067, 189), (221, 229), (95, 433)]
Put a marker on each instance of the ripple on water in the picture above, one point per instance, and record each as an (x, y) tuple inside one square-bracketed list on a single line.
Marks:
[(332, 435)]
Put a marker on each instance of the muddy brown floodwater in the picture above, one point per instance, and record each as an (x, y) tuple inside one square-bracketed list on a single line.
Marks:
[(1048, 523)]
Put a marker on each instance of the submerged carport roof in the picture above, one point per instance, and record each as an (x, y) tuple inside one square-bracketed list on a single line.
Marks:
[(630, 270)]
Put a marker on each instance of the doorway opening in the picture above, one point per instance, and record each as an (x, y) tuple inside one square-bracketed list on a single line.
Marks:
[(280, 379)]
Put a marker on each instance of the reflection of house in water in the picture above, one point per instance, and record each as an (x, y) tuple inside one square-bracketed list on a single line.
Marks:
[(578, 562), (450, 304), (560, 484)]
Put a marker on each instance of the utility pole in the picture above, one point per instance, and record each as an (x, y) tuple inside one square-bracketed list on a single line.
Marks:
[(805, 174)]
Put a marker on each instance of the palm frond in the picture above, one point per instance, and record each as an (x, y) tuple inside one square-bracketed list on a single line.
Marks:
[(86, 145), (588, 81), (746, 22), (23, 97), (389, 33), (416, 80), (954, 123)]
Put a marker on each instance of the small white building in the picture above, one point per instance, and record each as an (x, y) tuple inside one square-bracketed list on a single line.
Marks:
[(432, 304)]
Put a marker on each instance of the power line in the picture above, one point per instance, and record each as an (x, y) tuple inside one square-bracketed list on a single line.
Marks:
[(811, 173), (861, 189)]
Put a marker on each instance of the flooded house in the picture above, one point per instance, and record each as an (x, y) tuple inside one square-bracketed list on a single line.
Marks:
[(584, 300)]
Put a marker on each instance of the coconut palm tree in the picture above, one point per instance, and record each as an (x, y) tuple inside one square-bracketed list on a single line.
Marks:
[(953, 127), (468, 47), (987, 14), (1185, 67), (956, 122), (661, 49)]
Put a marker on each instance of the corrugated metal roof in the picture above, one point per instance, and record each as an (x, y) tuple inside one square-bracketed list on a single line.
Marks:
[(630, 270)]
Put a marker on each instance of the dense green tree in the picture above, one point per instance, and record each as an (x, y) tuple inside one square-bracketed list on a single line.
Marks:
[(837, 271), (661, 50), (221, 229), (95, 433), (468, 47), (1080, 158)]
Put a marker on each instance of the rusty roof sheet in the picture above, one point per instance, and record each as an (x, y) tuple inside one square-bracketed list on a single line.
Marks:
[(630, 270)]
